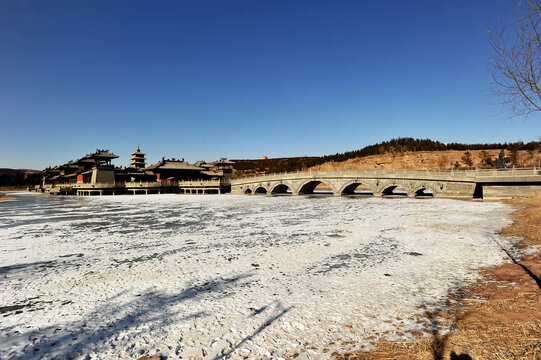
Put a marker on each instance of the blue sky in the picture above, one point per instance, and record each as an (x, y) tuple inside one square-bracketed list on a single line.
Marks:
[(243, 79)]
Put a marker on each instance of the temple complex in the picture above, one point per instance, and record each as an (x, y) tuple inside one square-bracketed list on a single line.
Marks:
[(94, 174)]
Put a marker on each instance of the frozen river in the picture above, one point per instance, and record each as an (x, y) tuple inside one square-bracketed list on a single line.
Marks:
[(230, 276)]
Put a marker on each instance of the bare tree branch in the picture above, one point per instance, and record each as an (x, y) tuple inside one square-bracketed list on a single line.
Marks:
[(516, 64)]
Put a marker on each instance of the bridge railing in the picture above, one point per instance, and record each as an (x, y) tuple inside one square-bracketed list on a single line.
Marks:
[(361, 171), (138, 184), (375, 171), (409, 172), (200, 183), (509, 172), (172, 183)]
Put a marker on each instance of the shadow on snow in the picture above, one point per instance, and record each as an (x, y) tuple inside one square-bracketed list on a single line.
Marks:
[(152, 308)]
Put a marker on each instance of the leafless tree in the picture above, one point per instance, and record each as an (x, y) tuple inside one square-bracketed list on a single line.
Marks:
[(467, 159), (516, 64)]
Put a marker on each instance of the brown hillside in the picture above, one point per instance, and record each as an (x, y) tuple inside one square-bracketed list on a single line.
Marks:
[(19, 177), (243, 168), (428, 160), (402, 153)]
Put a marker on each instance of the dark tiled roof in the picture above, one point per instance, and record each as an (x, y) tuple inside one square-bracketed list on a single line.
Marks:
[(211, 173), (101, 154), (173, 165)]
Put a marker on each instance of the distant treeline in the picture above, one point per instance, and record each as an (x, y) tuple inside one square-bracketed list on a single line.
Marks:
[(398, 145), (410, 144)]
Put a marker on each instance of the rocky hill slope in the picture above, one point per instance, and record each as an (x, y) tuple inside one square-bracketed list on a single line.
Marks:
[(444, 160), (402, 153)]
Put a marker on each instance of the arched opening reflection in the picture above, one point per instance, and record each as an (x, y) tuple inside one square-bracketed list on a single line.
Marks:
[(357, 189), (395, 191), (260, 191), (281, 189), (424, 193), (316, 187)]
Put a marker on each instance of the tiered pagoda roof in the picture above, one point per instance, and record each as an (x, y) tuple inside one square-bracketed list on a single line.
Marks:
[(138, 159)]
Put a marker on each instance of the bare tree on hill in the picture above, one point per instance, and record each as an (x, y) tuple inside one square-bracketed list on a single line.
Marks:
[(516, 64), (467, 159)]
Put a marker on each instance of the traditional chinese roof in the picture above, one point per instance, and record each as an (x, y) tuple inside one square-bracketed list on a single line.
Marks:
[(86, 160), (222, 161), (135, 171), (204, 164), (100, 155), (174, 165), (51, 170), (211, 173), (69, 166)]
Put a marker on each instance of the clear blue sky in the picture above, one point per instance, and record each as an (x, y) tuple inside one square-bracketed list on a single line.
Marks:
[(243, 79)]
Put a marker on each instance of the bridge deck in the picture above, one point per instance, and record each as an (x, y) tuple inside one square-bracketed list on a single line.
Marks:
[(443, 183)]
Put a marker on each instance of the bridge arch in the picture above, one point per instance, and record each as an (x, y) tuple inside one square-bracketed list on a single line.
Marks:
[(353, 187), (260, 190), (248, 191), (282, 188), (309, 187), (394, 190), (423, 191)]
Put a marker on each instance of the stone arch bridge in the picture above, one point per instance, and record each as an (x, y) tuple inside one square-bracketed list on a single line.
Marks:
[(465, 184)]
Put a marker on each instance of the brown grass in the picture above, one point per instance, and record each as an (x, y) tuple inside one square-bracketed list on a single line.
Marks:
[(15, 188), (505, 325), (4, 197), (424, 160)]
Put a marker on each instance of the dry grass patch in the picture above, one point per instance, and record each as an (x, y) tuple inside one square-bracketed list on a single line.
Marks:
[(505, 325), (4, 197), (15, 188)]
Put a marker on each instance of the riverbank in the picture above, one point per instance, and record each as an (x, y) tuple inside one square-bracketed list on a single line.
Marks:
[(15, 188), (4, 197), (498, 317)]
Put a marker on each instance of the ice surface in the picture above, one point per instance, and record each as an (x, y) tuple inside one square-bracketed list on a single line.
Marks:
[(230, 276)]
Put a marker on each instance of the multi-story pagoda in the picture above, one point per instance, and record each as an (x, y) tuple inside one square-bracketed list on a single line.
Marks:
[(138, 159)]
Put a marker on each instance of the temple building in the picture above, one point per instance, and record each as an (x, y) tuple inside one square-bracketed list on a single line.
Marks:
[(91, 168), (223, 167), (178, 170), (97, 169)]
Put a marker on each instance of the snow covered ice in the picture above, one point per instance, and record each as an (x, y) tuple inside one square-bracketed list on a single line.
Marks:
[(229, 276)]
